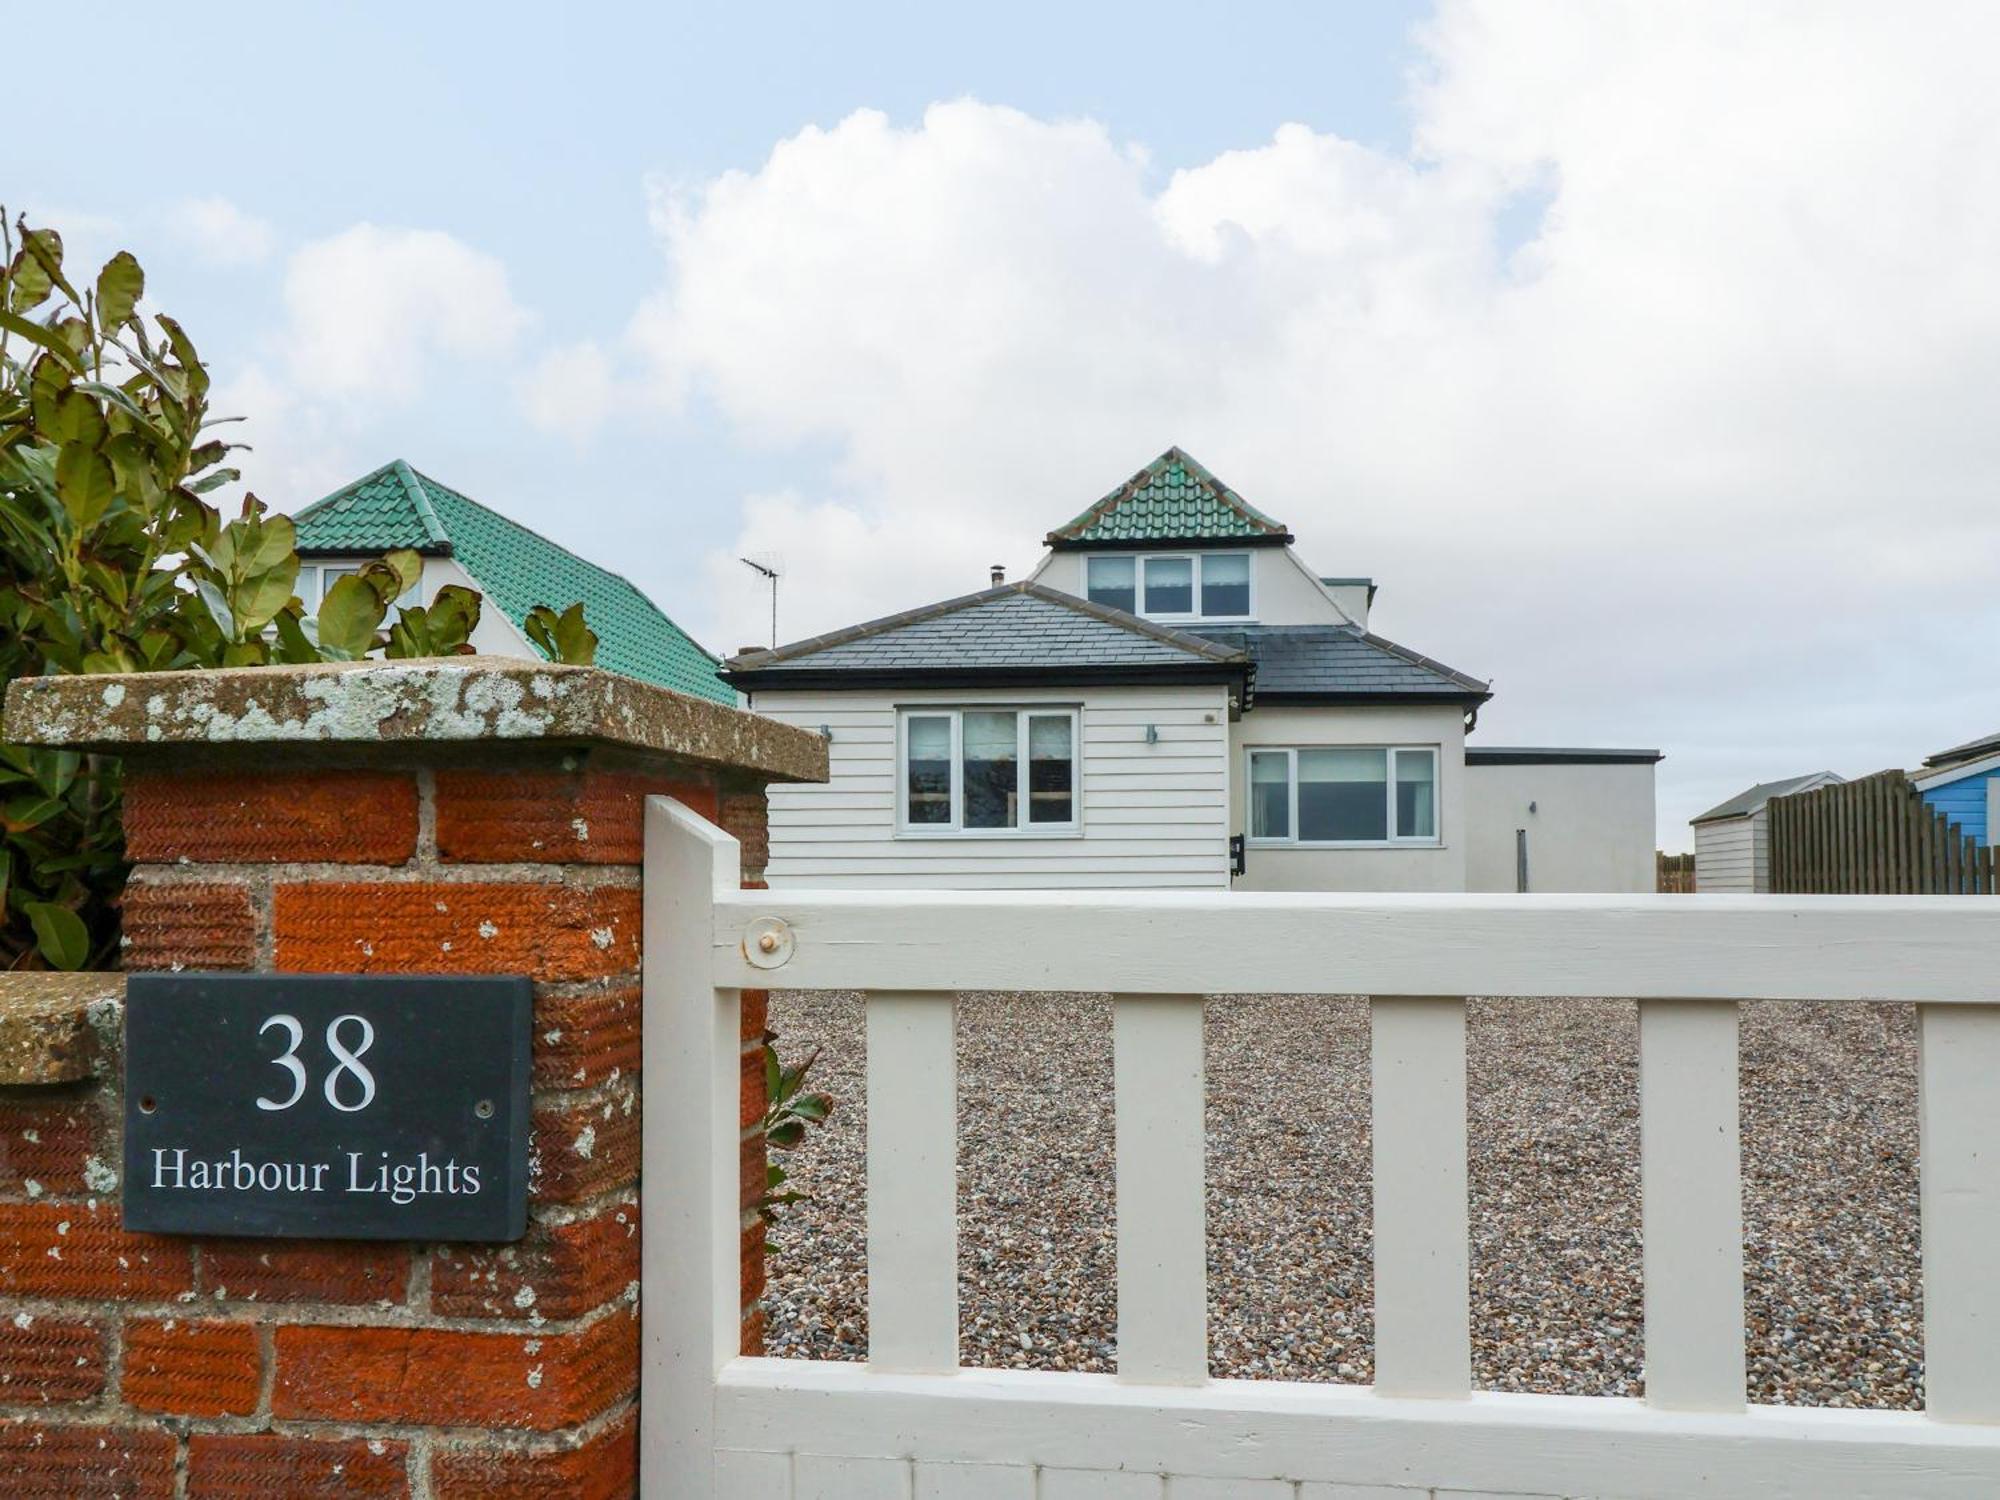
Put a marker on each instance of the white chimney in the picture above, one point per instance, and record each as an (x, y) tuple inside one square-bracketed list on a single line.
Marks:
[(999, 574)]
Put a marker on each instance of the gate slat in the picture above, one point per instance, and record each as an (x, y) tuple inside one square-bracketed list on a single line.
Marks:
[(912, 1183), (1958, 1125), (1691, 1204), (1162, 1223), (1423, 1344)]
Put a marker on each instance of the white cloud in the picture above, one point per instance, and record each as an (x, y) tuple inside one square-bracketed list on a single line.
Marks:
[(370, 306), (570, 391), (839, 565), (297, 449), (1709, 460), (222, 233)]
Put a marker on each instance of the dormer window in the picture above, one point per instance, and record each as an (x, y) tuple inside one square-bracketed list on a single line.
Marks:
[(1172, 585)]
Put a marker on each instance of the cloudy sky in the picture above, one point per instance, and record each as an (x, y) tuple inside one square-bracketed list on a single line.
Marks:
[(1646, 355)]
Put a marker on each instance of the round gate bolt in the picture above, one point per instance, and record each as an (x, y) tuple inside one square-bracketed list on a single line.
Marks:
[(768, 944)]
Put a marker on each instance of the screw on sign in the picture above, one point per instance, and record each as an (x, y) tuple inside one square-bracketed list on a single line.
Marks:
[(331, 1106)]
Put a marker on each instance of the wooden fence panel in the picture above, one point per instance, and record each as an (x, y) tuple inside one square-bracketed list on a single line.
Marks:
[(1872, 836), (1673, 873)]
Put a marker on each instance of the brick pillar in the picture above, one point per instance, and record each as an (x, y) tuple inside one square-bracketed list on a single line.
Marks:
[(471, 816)]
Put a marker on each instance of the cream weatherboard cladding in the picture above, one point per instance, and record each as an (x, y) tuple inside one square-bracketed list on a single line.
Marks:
[(1153, 811)]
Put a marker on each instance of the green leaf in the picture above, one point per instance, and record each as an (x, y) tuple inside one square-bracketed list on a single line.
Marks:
[(85, 483), (28, 285), (47, 338), (214, 481), (277, 540), (349, 617), (190, 362), (59, 934), (407, 566), (218, 607), (45, 247), (453, 616), (79, 419), (257, 600), (120, 285), (24, 813), (293, 644), (565, 637)]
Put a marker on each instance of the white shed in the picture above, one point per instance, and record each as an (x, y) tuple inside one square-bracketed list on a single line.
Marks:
[(1732, 840), (1562, 819)]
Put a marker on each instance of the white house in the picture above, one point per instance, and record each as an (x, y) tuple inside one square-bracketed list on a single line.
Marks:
[(1172, 698), (1732, 840), (463, 542)]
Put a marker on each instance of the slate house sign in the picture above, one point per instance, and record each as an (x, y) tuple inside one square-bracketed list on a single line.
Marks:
[(338, 1106)]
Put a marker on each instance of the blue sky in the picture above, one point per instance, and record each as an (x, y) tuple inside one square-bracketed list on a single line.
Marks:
[(531, 132), (1637, 351)]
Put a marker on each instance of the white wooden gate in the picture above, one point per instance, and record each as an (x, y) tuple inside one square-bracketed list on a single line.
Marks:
[(910, 1425)]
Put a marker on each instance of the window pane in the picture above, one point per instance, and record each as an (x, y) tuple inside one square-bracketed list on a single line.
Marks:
[(1169, 585), (928, 748), (992, 770), (307, 586), (1270, 796), (1051, 769), (1109, 580), (1225, 584), (1416, 794), (1343, 794)]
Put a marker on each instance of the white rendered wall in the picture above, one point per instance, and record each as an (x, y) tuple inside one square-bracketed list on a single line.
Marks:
[(1591, 828), (1439, 867), (1152, 814), (495, 634)]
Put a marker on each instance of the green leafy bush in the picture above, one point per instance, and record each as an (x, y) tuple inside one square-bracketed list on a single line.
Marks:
[(111, 560)]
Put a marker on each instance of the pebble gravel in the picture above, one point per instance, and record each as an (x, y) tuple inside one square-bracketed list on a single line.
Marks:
[(1832, 1310)]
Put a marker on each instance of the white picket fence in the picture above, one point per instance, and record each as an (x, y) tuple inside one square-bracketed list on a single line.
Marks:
[(911, 1425)]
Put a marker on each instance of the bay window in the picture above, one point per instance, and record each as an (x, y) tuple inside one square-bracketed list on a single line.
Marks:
[(989, 770), (1344, 794), (1176, 586)]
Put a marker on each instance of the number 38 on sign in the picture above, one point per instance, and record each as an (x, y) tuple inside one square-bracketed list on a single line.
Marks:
[(327, 1105)]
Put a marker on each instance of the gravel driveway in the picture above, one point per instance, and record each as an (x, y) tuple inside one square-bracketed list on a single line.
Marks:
[(1832, 1310)]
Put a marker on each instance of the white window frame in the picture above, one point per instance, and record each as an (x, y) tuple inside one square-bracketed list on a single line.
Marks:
[(1141, 559), (327, 569), (1393, 841), (955, 712)]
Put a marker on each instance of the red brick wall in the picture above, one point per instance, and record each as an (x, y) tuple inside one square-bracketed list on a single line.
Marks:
[(155, 1365)]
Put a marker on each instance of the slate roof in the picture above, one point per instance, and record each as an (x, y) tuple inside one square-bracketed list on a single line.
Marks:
[(1985, 745), (1021, 628), (1749, 801), (514, 568), (1173, 501), (1342, 661)]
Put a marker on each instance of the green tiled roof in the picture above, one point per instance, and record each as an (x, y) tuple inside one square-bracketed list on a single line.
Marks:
[(1172, 500), (513, 567)]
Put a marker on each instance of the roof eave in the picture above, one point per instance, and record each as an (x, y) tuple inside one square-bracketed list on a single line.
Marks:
[(1334, 697), (1193, 673), (427, 549), (1507, 755), (1057, 543)]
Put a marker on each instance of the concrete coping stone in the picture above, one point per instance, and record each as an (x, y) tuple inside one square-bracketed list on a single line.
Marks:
[(463, 700), (53, 1025)]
